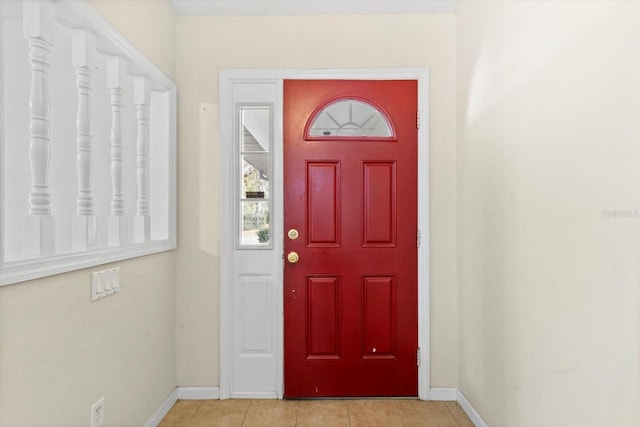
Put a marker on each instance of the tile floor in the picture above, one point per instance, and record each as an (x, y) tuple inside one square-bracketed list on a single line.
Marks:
[(320, 413)]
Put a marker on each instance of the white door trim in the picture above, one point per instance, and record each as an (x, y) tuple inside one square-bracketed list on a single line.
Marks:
[(227, 268)]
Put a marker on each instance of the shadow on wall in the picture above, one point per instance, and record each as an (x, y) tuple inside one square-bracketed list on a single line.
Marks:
[(209, 177)]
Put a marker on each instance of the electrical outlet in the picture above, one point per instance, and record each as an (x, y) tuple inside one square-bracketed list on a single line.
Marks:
[(97, 413)]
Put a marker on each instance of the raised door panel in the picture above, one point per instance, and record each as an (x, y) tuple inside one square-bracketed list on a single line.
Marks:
[(379, 316), (323, 320), (253, 327), (323, 204), (379, 204)]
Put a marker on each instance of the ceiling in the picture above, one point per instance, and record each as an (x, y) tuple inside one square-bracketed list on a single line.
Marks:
[(310, 7)]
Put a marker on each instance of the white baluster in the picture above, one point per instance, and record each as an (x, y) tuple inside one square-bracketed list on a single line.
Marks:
[(117, 223), (142, 220), (39, 30), (83, 57)]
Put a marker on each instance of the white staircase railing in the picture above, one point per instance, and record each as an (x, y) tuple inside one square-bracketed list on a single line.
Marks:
[(113, 116), (83, 50), (117, 225), (141, 225), (39, 30)]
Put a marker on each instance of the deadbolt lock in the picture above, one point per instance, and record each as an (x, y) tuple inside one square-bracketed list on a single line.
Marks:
[(293, 234)]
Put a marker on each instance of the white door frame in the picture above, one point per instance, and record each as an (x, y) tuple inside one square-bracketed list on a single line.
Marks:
[(228, 269)]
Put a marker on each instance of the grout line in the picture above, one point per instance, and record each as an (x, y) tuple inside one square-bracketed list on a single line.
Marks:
[(446, 405), (297, 411), (404, 423), (349, 413), (192, 415), (190, 420), (246, 412)]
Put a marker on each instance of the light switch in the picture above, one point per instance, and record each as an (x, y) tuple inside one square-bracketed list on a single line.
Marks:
[(97, 285), (104, 283), (115, 279), (108, 287)]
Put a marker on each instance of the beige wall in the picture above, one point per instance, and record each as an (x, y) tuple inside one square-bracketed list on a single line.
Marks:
[(208, 44), (548, 146), (59, 353), (149, 24)]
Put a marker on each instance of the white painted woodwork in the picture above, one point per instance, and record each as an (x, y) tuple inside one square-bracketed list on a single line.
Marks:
[(251, 279), (161, 154), (251, 354), (39, 30), (254, 344), (81, 122), (83, 54), (117, 225), (142, 220)]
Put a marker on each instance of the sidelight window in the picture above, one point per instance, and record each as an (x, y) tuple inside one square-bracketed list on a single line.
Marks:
[(255, 136)]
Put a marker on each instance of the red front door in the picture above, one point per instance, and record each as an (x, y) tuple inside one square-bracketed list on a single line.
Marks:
[(350, 192)]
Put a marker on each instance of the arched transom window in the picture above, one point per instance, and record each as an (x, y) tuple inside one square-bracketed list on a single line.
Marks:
[(349, 118)]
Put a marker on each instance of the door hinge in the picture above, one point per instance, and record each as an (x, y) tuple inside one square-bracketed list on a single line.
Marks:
[(418, 238), (417, 119), (418, 357)]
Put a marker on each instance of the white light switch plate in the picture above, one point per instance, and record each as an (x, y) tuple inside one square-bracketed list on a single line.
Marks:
[(105, 283)]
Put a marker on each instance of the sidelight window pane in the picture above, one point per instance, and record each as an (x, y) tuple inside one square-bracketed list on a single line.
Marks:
[(254, 161), (256, 129), (255, 176), (255, 223)]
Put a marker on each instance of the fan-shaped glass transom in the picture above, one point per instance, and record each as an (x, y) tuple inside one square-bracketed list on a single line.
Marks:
[(350, 117)]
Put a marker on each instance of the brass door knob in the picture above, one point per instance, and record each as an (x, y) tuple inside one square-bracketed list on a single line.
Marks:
[(293, 257)]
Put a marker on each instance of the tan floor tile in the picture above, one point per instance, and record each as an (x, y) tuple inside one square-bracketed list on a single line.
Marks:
[(181, 413), (227, 413), (311, 413), (459, 415), (272, 413), (323, 413), (373, 413), (417, 413)]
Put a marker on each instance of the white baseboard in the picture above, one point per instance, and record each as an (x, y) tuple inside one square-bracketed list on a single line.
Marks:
[(198, 393), (254, 395), (454, 395), (443, 394), (471, 412), (166, 406), (182, 393)]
